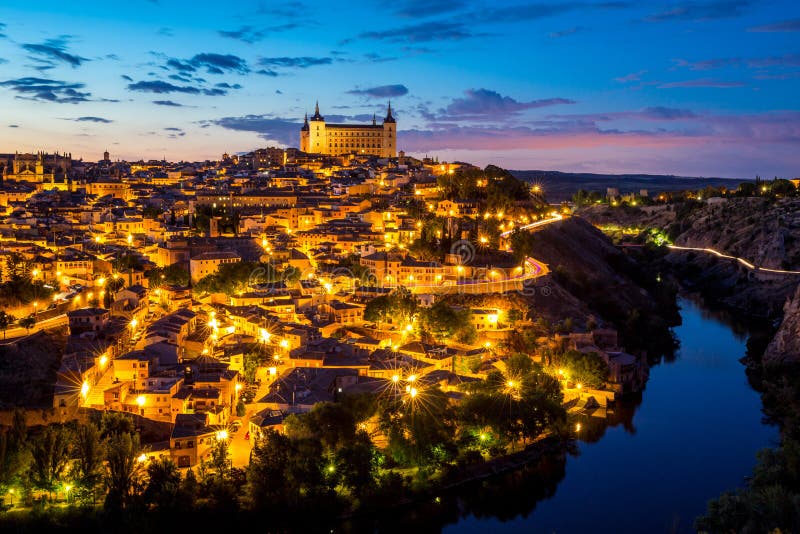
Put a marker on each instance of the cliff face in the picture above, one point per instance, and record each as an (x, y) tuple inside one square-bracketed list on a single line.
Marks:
[(763, 232), (592, 276), (785, 346)]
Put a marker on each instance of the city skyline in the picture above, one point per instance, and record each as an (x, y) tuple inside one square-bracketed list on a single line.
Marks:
[(692, 88)]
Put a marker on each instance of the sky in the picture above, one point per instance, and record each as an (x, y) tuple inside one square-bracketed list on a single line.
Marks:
[(690, 87)]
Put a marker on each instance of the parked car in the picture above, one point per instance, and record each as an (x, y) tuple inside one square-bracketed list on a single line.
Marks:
[(236, 425)]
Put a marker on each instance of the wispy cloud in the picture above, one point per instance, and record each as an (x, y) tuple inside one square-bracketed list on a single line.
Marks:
[(268, 127), (91, 119), (162, 87), (251, 34), (792, 25), (211, 62), (631, 77), (567, 32), (489, 105), (701, 10), (701, 82), (46, 90), (423, 32), (302, 62), (382, 91), (168, 103), (424, 8), (52, 51)]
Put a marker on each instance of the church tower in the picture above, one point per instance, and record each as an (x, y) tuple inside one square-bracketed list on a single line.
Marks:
[(389, 134), (304, 140), (317, 138)]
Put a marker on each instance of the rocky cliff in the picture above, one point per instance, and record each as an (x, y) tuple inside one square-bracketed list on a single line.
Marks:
[(785, 346), (765, 232)]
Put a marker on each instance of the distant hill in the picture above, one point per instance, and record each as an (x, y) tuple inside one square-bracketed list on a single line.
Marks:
[(559, 186)]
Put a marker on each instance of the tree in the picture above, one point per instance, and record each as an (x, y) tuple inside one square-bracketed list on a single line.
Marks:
[(443, 322), (170, 275), (123, 469), (89, 453), (329, 422), (163, 490), (50, 454), (398, 307), (5, 321), (27, 323), (589, 368)]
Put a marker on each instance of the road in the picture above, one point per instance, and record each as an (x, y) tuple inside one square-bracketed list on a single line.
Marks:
[(53, 322), (544, 222), (742, 261)]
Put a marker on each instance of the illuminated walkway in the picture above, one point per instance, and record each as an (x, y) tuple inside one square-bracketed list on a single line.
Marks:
[(544, 222), (740, 260)]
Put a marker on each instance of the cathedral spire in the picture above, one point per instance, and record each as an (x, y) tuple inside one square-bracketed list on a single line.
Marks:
[(389, 117), (317, 116)]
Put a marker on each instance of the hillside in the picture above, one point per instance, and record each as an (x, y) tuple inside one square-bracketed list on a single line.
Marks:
[(590, 271), (763, 232), (560, 186), (32, 361)]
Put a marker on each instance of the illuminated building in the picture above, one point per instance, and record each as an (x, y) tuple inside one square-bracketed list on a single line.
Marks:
[(319, 137)]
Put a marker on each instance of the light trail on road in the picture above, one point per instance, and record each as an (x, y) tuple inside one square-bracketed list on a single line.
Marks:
[(728, 257)]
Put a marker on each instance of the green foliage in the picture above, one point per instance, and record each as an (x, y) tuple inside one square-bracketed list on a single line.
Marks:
[(241, 409), (443, 322), (171, 275), (333, 424), (586, 198), (18, 285), (123, 470), (27, 322), (588, 368), (398, 307), (50, 454), (231, 278), (164, 490), (420, 430), (502, 189), (769, 503), (519, 404), (87, 470)]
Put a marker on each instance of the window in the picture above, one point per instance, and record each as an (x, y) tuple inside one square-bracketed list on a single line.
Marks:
[(190, 444)]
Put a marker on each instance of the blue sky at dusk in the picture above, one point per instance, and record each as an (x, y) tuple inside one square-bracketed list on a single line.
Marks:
[(698, 87)]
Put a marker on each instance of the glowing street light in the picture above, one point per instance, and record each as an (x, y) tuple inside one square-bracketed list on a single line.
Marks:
[(412, 392), (142, 458), (140, 400), (395, 378), (85, 389), (222, 435)]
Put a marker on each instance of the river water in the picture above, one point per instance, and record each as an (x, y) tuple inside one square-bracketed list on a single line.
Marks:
[(693, 434)]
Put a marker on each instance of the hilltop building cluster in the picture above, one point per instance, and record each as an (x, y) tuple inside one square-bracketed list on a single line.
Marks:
[(303, 240)]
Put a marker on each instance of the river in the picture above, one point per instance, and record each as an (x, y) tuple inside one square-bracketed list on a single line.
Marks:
[(693, 434)]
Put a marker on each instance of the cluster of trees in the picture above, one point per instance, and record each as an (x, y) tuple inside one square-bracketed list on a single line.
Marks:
[(587, 368), (17, 285), (171, 275), (500, 191), (232, 278), (438, 322), (81, 461), (518, 405), (324, 464), (442, 322), (398, 307)]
